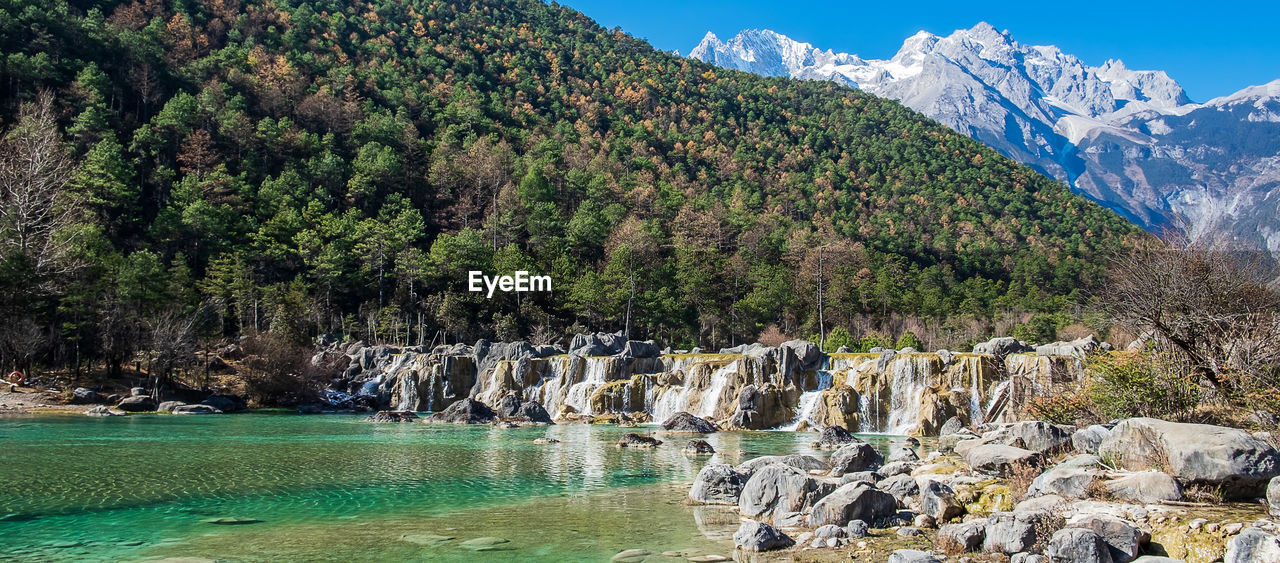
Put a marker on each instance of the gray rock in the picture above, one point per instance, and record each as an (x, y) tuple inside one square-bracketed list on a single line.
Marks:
[(465, 411), (896, 468), (717, 484), (903, 453), (1009, 534), (855, 501), (833, 437), (999, 458), (137, 403), (939, 502), (777, 489), (912, 556), (1124, 540), (1146, 487), (1001, 346), (1239, 463), (951, 426), (168, 406), (1066, 480), (758, 536), (685, 422), (854, 457), (198, 409), (1077, 545), (857, 529), (901, 487), (802, 462), (1253, 546), (1040, 437), (1273, 497), (830, 531), (964, 537), (82, 396), (1086, 440)]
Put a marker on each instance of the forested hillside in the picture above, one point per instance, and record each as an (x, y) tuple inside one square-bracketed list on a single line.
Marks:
[(212, 168)]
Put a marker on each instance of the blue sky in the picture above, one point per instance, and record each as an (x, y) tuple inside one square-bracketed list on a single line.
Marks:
[(1212, 49)]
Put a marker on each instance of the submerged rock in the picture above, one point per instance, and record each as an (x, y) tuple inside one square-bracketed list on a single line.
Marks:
[(1217, 456), (833, 437), (393, 416), (758, 536), (633, 440), (465, 411), (698, 447), (685, 422)]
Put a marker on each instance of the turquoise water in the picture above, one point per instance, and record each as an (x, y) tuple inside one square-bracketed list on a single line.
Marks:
[(332, 487)]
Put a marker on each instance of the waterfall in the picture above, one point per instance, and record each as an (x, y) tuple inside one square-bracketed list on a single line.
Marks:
[(597, 374), (809, 401)]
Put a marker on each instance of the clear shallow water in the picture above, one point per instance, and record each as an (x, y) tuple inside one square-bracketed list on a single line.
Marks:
[(332, 487)]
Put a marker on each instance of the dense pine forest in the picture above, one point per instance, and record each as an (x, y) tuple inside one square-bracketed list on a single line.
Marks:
[(181, 172)]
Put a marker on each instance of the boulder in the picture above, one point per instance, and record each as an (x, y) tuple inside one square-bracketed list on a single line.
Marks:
[(1123, 539), (1234, 460), (1040, 437), (964, 537), (939, 502), (1273, 497), (1086, 440), (854, 501), (998, 458), (1009, 534), (465, 411), (854, 457), (951, 426), (833, 437), (1065, 480), (717, 483), (698, 447), (912, 556), (1077, 545), (1001, 346), (777, 489), (1146, 487), (200, 409), (83, 396), (393, 416), (802, 462), (103, 410), (633, 440), (901, 487), (137, 403), (168, 406), (1253, 546), (685, 422), (758, 536)]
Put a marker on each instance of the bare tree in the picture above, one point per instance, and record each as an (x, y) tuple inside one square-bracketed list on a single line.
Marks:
[(1213, 303), (36, 216)]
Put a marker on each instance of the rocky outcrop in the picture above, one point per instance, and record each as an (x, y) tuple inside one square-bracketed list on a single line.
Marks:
[(466, 411), (687, 423), (758, 536), (854, 501), (1234, 460), (718, 484)]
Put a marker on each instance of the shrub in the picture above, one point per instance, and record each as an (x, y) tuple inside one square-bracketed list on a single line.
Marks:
[(1128, 384)]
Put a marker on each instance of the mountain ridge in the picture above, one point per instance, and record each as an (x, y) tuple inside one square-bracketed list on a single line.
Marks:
[(1100, 128)]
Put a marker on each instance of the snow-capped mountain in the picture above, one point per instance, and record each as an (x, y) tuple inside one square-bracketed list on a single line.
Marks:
[(1130, 139)]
